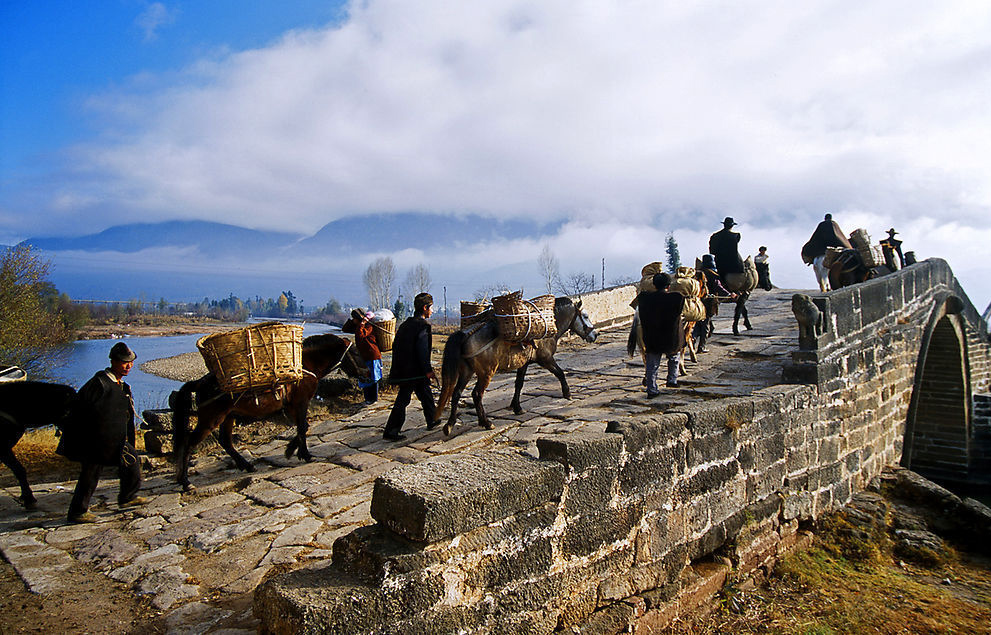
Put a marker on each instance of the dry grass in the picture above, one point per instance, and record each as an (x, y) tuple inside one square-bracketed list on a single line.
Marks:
[(844, 586), (36, 452)]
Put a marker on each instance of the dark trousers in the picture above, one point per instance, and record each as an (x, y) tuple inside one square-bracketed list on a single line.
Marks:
[(406, 389), (129, 472)]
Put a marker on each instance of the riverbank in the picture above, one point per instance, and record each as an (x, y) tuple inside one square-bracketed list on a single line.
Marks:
[(183, 367)]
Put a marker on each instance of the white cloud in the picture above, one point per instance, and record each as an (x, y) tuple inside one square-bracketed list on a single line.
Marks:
[(155, 16), (612, 114)]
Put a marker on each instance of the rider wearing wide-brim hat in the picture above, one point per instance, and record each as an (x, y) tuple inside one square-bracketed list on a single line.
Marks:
[(724, 246), (100, 432)]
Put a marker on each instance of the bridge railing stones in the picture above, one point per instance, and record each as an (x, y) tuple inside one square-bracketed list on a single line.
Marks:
[(609, 529)]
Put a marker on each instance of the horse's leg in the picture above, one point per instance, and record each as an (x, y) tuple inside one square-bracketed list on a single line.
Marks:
[(464, 375), (227, 442), (746, 315), (27, 496), (737, 312), (476, 396), (690, 343), (300, 409), (184, 449), (520, 376)]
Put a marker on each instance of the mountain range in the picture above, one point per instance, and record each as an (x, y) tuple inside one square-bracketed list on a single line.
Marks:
[(214, 259)]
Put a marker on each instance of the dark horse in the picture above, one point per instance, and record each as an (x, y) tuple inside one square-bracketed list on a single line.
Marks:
[(846, 267), (743, 285), (478, 350), (24, 405), (219, 409)]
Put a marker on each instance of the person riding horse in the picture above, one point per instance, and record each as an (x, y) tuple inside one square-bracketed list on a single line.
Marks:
[(724, 246), (826, 234)]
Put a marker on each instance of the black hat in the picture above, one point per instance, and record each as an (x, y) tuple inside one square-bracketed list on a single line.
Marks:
[(728, 221), (358, 314), (122, 353), (708, 262), (892, 231)]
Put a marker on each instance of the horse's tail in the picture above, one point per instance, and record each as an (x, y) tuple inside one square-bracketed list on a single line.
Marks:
[(450, 367), (631, 341), (181, 402)]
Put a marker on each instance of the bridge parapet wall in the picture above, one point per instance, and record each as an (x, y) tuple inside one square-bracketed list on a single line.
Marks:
[(617, 528)]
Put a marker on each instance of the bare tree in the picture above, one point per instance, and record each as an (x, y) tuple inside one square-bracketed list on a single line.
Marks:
[(577, 283), (487, 293), (417, 280), (550, 268), (378, 281)]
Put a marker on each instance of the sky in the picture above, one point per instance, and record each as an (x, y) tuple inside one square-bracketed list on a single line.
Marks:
[(626, 119)]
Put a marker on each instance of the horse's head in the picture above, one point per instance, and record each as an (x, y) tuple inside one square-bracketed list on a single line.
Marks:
[(579, 322), (327, 352)]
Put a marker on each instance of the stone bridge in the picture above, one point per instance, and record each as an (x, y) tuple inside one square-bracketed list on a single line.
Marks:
[(601, 513)]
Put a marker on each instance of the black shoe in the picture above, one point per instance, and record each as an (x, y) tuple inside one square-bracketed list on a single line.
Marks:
[(394, 436), (651, 395), (672, 384), (433, 424)]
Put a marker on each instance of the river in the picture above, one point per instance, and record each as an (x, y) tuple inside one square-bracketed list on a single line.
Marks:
[(86, 357)]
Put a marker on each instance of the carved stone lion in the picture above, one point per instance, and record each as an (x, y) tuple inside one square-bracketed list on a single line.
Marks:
[(809, 319)]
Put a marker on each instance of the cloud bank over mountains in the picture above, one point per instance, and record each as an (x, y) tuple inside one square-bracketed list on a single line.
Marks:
[(619, 122)]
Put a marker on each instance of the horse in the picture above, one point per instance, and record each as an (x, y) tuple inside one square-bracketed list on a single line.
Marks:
[(743, 285), (846, 267), (478, 350), (29, 404), (216, 408)]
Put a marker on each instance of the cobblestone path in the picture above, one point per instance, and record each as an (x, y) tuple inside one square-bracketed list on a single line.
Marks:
[(194, 553)]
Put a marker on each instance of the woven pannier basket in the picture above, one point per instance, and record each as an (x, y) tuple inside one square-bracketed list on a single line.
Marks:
[(385, 334), (521, 320), (474, 312), (255, 358)]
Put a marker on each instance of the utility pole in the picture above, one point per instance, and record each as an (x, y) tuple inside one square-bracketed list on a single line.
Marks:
[(445, 305), (603, 273)]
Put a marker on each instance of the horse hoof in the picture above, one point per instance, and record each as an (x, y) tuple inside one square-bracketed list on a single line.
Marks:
[(188, 487), (447, 430), (30, 505), (307, 457), (517, 410), (487, 425)]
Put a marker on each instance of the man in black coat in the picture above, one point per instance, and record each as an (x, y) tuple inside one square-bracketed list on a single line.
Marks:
[(100, 432), (724, 245), (660, 318), (411, 369)]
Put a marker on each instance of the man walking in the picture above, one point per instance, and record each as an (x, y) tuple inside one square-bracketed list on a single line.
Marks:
[(660, 318), (101, 433), (411, 369)]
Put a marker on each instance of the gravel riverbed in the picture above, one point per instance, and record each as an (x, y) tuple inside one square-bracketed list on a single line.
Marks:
[(184, 367)]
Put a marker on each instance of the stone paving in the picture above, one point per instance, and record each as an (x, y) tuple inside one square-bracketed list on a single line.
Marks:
[(191, 553)]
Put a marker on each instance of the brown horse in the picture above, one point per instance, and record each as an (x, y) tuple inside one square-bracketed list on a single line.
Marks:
[(478, 350), (24, 405), (846, 267), (219, 409)]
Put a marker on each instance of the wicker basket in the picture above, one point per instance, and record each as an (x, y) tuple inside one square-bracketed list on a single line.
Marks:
[(474, 312), (255, 358), (521, 320), (385, 334)]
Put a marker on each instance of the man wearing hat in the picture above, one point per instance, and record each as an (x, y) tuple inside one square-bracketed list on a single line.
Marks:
[(411, 369), (724, 245), (891, 246), (100, 432)]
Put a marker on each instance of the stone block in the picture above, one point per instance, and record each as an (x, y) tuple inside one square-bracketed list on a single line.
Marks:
[(651, 471), (711, 447), (709, 417), (589, 533), (707, 480), (443, 497), (797, 505), (766, 481), (590, 492), (581, 451), (649, 432), (520, 561)]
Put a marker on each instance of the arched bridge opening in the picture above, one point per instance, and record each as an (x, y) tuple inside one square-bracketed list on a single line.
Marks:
[(937, 431)]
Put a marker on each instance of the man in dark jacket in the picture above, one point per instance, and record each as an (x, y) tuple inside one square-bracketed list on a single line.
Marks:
[(411, 369), (660, 318), (724, 245), (100, 432)]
